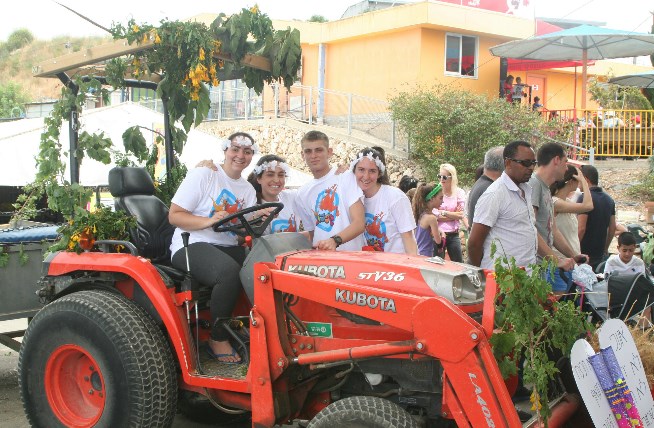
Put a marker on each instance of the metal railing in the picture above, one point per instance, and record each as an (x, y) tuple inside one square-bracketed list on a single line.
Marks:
[(612, 133), (341, 110)]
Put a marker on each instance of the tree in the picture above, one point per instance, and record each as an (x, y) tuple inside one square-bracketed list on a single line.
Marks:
[(318, 18), (18, 39), (454, 126), (12, 100), (611, 96)]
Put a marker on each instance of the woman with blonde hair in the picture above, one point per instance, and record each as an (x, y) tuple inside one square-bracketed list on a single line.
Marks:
[(427, 198), (450, 213)]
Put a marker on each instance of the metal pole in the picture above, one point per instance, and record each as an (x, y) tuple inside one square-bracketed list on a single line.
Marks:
[(393, 134), (168, 138), (310, 104), (349, 114), (591, 156), (276, 97), (73, 139), (246, 101)]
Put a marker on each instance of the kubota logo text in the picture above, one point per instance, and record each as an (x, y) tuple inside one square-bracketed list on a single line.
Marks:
[(323, 271), (362, 299)]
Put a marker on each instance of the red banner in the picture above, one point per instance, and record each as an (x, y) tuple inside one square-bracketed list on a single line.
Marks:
[(523, 8)]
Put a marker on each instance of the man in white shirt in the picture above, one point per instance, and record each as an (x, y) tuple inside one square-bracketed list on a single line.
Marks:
[(504, 212), (330, 206)]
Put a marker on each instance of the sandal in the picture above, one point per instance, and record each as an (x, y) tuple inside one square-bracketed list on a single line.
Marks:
[(218, 356)]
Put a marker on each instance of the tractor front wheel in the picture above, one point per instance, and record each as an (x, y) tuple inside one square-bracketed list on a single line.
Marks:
[(364, 412), (94, 358)]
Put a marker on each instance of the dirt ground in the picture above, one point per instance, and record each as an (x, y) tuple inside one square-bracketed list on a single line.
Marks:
[(615, 176)]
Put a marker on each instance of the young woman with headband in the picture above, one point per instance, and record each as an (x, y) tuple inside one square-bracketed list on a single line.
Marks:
[(427, 198), (269, 181), (389, 223)]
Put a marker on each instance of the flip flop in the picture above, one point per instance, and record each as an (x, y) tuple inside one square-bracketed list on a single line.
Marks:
[(217, 356)]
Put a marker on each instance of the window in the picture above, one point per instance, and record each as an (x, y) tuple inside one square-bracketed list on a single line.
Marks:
[(460, 55)]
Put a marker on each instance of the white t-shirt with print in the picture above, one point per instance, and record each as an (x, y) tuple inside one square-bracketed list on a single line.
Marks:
[(615, 264), (388, 215), (204, 191), (286, 220), (323, 206)]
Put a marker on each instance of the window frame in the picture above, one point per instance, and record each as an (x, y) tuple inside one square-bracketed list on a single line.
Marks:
[(476, 63)]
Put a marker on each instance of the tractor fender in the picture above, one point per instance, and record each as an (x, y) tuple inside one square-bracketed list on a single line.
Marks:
[(158, 298)]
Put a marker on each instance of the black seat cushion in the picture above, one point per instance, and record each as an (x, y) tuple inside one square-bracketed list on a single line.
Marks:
[(133, 192)]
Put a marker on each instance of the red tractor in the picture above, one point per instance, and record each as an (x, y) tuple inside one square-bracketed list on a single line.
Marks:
[(335, 338)]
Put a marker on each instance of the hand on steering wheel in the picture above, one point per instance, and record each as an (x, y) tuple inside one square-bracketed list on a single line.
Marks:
[(254, 227)]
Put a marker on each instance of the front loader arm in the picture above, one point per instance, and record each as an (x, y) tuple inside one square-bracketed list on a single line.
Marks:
[(478, 395)]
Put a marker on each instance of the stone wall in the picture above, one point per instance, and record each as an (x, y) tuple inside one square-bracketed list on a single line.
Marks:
[(282, 137)]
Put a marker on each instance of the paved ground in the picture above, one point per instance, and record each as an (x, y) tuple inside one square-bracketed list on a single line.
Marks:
[(11, 409)]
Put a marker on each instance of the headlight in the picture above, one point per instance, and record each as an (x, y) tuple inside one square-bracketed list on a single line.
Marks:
[(463, 287)]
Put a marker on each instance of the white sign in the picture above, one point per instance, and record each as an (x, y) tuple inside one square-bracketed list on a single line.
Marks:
[(616, 334)]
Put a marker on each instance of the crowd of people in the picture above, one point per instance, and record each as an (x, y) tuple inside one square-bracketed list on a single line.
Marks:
[(524, 201)]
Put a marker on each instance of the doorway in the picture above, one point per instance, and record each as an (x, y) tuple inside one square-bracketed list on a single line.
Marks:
[(537, 83)]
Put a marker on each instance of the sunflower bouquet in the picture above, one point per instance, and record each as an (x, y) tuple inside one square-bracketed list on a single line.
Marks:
[(80, 233)]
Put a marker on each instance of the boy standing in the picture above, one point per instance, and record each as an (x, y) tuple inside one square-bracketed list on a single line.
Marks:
[(624, 261), (330, 206)]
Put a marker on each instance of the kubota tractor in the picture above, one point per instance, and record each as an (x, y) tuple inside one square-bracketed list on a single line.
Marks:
[(344, 339)]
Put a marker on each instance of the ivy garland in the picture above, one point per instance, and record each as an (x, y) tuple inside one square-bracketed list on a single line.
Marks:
[(186, 57)]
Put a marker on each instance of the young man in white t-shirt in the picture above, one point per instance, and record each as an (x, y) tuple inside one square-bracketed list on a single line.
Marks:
[(330, 206), (624, 261)]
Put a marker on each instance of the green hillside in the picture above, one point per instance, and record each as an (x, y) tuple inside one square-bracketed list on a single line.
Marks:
[(18, 58)]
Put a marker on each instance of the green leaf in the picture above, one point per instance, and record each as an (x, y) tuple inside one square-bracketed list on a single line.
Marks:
[(134, 143)]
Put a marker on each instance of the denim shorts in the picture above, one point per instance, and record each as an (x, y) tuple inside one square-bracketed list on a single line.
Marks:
[(557, 282)]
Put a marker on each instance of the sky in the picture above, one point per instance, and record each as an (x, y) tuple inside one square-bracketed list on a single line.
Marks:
[(46, 19)]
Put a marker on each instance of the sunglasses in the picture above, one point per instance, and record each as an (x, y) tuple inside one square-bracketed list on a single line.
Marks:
[(444, 177), (524, 162)]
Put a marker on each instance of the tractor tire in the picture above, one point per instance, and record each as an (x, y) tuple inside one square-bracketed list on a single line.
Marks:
[(363, 412), (94, 358)]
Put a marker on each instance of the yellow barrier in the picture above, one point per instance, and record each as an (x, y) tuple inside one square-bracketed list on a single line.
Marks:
[(616, 133)]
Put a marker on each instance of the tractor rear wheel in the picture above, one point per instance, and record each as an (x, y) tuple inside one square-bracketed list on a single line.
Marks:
[(94, 358), (364, 412)]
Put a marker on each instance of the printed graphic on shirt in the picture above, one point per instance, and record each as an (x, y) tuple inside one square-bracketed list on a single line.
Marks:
[(375, 232), (226, 201), (284, 225), (326, 209)]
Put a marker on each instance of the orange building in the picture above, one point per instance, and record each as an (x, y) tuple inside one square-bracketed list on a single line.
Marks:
[(379, 53)]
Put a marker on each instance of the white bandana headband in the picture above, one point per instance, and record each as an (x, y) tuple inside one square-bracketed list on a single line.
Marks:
[(241, 141), (272, 166), (370, 157)]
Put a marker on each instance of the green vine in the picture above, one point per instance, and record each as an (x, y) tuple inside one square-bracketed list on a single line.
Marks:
[(185, 58), (532, 324), (23, 258), (4, 256), (64, 197)]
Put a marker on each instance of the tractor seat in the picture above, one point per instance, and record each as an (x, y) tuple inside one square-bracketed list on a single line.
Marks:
[(133, 192)]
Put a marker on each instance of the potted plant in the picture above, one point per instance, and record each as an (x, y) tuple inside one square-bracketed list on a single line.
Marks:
[(532, 325)]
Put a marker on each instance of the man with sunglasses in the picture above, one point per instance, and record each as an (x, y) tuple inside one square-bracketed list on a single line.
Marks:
[(504, 213), (552, 165)]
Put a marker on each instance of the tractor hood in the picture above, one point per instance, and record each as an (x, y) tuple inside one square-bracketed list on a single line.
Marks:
[(460, 283)]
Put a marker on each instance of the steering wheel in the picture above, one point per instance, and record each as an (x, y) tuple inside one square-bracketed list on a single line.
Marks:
[(254, 227)]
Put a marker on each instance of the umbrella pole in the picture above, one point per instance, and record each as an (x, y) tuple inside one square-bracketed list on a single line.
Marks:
[(574, 103), (584, 76)]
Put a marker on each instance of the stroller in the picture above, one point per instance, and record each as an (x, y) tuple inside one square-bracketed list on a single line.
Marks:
[(623, 296)]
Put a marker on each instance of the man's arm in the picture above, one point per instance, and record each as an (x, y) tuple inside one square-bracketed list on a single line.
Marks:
[(546, 252), (610, 235), (476, 243), (581, 222), (355, 228)]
